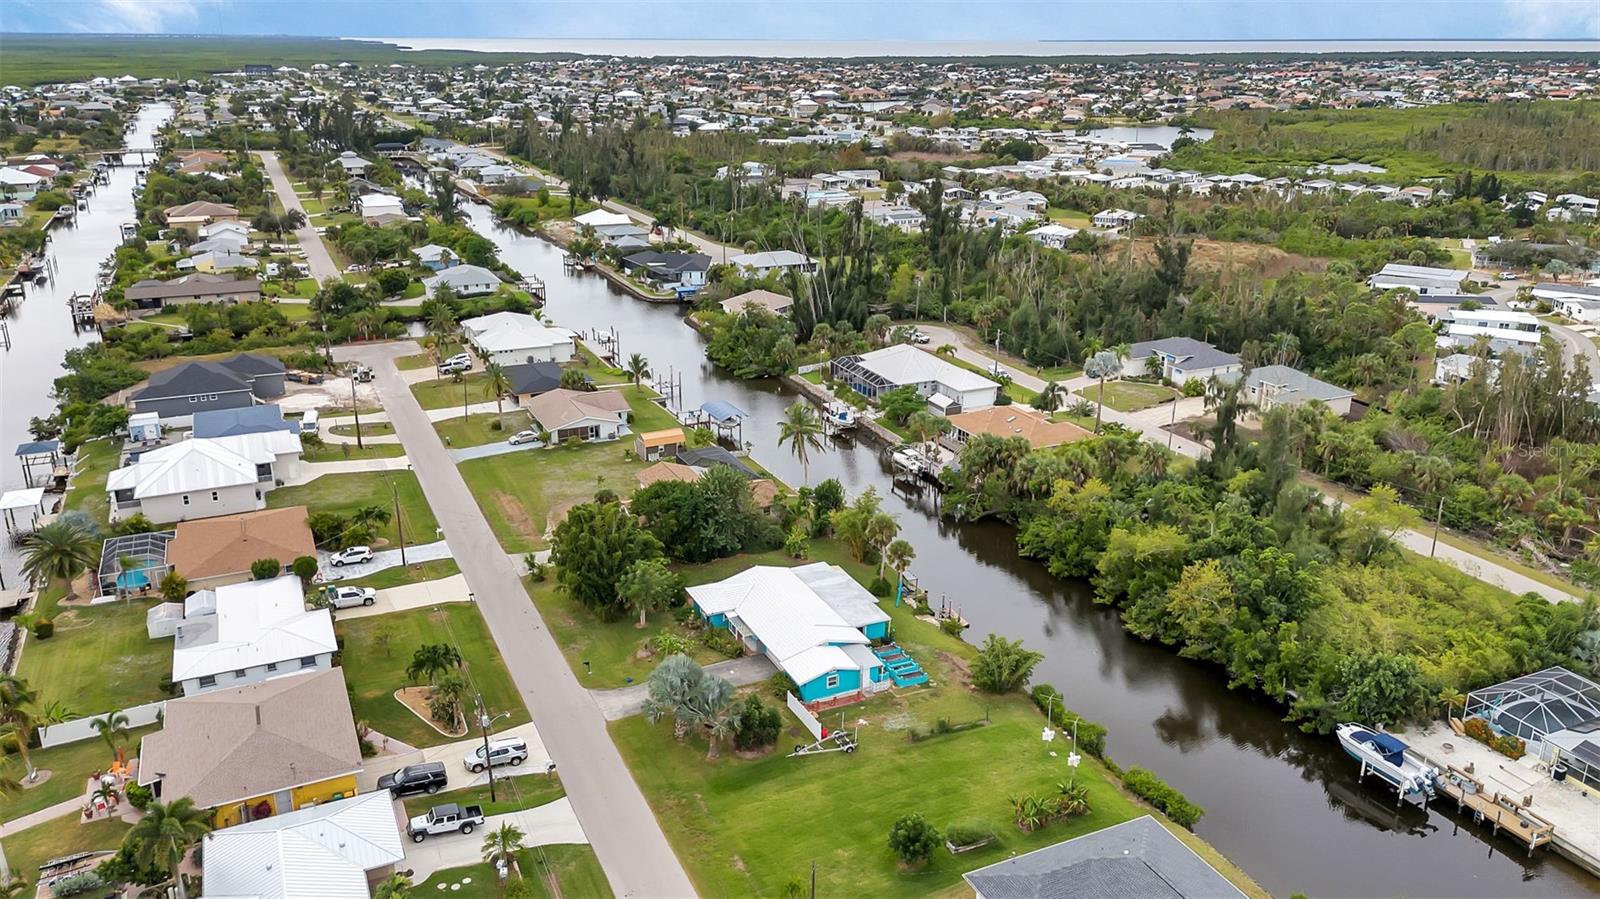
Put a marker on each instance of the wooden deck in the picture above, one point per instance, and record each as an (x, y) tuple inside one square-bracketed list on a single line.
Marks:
[(1500, 811)]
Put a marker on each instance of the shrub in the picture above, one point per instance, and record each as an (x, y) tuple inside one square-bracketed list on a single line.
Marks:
[(537, 570), (44, 628), (968, 833), (880, 587), (1193, 387), (1091, 736), (1506, 744), (759, 724), (913, 838), (1002, 399), (1003, 665), (797, 545), (720, 641), (669, 644), (77, 884), (1155, 791), (139, 797), (953, 627), (781, 684), (262, 569), (305, 568)]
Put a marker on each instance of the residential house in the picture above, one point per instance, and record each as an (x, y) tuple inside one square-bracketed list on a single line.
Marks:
[(949, 387), (220, 260), (582, 415), (192, 216), (859, 179), (377, 206), (12, 214), (436, 257), (1052, 235), (1134, 858), (1011, 421), (1573, 207), (775, 303), (257, 750), (178, 393), (1465, 326), (759, 265), (530, 379), (1579, 302), (1424, 280), (596, 218), (354, 166), (1115, 219), (814, 622), (1281, 385), (511, 338), (203, 477), (244, 420), (249, 632), (336, 850), (685, 272), (201, 287), (219, 551), (16, 184), (1179, 360), (703, 458), (651, 446), (627, 235), (464, 280), (906, 218)]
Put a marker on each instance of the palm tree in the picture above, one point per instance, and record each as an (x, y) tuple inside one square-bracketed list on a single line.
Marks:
[(502, 845), (441, 325), (452, 691), (397, 886), (164, 836), (61, 549), (1102, 365), (802, 430), (498, 384), (1050, 398), (21, 714), (431, 660), (926, 426), (113, 728), (899, 555), (638, 368)]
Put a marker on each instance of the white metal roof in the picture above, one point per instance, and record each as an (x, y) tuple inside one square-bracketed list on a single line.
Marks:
[(510, 331), (323, 851), (181, 468), (798, 629), (597, 217), (255, 623), (22, 499), (834, 586), (771, 259), (905, 364)]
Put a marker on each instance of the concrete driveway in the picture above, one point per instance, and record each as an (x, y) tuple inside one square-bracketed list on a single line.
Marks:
[(498, 448), (383, 558), (451, 754), (551, 823), (411, 596), (310, 471)]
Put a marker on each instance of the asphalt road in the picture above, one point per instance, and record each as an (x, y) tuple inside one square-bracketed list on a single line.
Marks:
[(626, 837), (317, 258)]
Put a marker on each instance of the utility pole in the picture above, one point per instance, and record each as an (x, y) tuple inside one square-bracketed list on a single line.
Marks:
[(399, 522), (355, 405), (1436, 519)]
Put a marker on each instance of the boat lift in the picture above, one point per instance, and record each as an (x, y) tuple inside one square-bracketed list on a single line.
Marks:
[(826, 740)]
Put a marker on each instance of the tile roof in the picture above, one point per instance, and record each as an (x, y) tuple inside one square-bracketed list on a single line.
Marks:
[(229, 543), (1014, 421)]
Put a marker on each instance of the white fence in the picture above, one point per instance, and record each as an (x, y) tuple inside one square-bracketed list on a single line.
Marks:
[(813, 366), (805, 716), (83, 728)]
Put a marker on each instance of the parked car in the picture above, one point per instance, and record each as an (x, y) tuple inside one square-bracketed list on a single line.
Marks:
[(522, 437), (921, 339), (350, 597), (447, 818), (507, 751), (462, 359), (450, 367), (1508, 276), (353, 555), (428, 777)]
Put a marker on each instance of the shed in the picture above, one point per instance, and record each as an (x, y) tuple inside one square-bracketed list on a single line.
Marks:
[(654, 445)]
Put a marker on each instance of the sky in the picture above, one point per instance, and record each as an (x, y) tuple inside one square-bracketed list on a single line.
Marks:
[(990, 20)]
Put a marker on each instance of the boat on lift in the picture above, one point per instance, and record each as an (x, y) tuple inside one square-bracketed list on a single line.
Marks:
[(1390, 758)]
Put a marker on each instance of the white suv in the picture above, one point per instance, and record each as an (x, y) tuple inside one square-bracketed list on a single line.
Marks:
[(349, 597), (354, 555), (507, 751)]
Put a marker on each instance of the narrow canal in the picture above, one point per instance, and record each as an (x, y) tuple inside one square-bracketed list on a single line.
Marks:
[(1284, 805), (41, 326)]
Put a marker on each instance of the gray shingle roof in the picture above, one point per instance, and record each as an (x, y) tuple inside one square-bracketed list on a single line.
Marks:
[(1132, 860), (1291, 382), (1191, 353)]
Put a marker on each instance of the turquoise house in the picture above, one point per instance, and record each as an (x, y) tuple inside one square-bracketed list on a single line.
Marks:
[(814, 622)]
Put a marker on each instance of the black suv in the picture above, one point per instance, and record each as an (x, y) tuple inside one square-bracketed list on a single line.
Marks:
[(428, 777)]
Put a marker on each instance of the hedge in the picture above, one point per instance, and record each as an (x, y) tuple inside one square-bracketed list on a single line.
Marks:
[(1155, 791), (1091, 736)]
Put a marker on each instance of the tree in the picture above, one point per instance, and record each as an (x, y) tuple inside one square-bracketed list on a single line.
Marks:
[(901, 403), (113, 728), (759, 724), (649, 585), (913, 839), (1050, 398), (575, 379), (174, 586), (265, 569), (682, 689), (899, 555), (448, 697), (501, 845), (60, 550), (802, 430), (638, 368), (594, 547), (1102, 365), (1003, 666), (864, 527), (22, 713), (304, 568), (444, 199), (431, 660), (395, 886), (925, 427), (497, 382), (164, 836)]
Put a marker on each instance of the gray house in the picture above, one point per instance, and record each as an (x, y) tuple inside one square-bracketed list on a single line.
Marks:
[(1179, 359), (178, 393)]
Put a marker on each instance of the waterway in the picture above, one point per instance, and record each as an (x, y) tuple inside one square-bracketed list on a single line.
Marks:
[(41, 326), (1282, 804)]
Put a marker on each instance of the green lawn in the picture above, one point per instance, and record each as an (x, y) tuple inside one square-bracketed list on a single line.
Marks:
[(1070, 217), (27, 850), (447, 392), (647, 414), (99, 660), (70, 764), (517, 490), (368, 429), (399, 575), (312, 206), (513, 794), (345, 493), (87, 490), (576, 870), (374, 673), (305, 289), (1129, 396), (598, 371), (339, 452), (610, 647), (477, 429), (423, 360)]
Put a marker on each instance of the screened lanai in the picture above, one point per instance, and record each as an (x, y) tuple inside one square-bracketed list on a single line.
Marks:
[(1538, 704)]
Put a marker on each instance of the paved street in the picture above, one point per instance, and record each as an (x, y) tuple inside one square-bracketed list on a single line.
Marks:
[(317, 258), (627, 839)]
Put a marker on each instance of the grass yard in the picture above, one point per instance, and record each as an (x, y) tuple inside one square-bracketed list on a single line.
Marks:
[(86, 492), (610, 647), (28, 849), (647, 415), (1071, 218), (339, 452), (70, 764), (515, 794), (99, 660), (374, 672), (345, 493), (447, 392), (575, 869), (423, 360), (598, 371), (517, 491), (478, 429), (400, 575), (368, 429), (1129, 396), (305, 289)]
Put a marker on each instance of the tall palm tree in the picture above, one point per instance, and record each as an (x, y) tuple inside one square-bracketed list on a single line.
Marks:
[(59, 550), (21, 714), (638, 368), (113, 728), (1102, 365), (499, 384), (441, 326), (503, 843), (432, 659), (164, 836), (899, 555), (802, 430)]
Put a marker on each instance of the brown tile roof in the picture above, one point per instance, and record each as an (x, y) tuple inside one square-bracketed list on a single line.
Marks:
[(227, 545), (561, 407), (667, 471), (1011, 421), (230, 745), (200, 207)]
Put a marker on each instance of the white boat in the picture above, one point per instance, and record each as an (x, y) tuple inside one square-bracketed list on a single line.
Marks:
[(1388, 757), (839, 416)]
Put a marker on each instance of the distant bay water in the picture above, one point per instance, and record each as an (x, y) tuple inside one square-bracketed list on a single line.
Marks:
[(814, 49)]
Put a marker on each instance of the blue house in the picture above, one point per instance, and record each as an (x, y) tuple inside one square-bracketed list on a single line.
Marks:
[(814, 622)]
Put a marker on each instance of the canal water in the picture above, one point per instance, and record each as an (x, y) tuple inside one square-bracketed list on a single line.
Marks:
[(41, 326), (1282, 804)]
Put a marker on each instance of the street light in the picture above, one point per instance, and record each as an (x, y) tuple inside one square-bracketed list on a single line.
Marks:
[(485, 722)]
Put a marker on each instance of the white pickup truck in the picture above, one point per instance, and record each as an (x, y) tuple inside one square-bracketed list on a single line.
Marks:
[(447, 818)]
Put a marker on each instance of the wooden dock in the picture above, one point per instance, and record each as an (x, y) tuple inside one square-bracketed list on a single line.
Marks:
[(1500, 811)]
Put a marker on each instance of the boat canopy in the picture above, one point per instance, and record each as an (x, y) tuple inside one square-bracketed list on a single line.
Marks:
[(1393, 750)]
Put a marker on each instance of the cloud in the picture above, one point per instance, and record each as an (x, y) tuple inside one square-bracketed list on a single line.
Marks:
[(1556, 19), (135, 16)]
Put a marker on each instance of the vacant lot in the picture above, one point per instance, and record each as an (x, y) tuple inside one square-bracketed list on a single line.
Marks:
[(518, 491), (345, 493), (478, 429), (448, 392), (1128, 396)]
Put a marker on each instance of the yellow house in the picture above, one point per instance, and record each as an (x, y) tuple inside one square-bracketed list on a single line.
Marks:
[(256, 751)]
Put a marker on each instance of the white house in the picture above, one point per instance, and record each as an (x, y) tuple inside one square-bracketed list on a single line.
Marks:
[(465, 280), (1179, 359), (16, 184), (1115, 218), (1465, 326), (436, 257), (331, 851), (353, 165), (1579, 302), (1422, 279), (1572, 207), (1052, 235), (247, 633), (1281, 385), (204, 477), (762, 264), (375, 205), (949, 388), (594, 218), (512, 338)]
